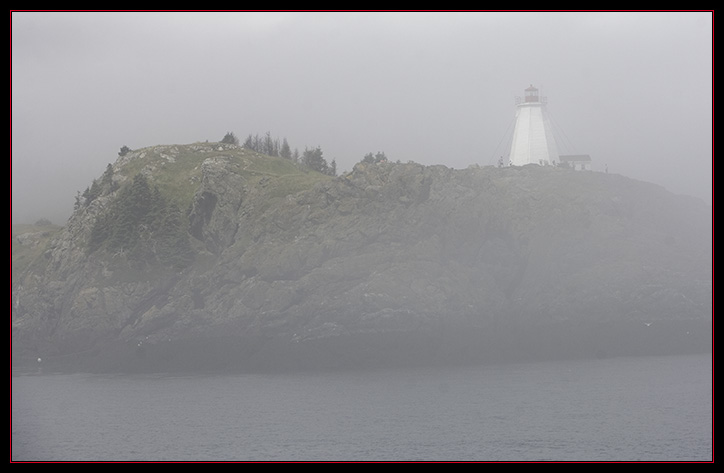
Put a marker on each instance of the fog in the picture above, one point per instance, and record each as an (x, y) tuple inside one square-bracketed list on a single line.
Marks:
[(632, 90)]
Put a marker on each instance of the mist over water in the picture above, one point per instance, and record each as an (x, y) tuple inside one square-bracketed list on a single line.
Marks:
[(632, 90), (632, 409)]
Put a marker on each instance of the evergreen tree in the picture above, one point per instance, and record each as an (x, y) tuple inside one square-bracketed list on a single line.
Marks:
[(108, 185), (173, 246), (100, 232), (107, 178), (268, 145), (145, 225), (91, 193), (254, 143), (285, 151), (314, 160), (122, 231), (140, 200), (378, 157), (157, 206), (230, 138), (130, 210)]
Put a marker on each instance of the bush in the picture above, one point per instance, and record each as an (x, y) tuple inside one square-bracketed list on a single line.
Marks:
[(314, 160), (230, 138)]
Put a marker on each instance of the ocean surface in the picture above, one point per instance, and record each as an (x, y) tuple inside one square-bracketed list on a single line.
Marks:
[(616, 409)]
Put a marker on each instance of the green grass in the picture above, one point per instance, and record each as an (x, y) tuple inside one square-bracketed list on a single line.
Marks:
[(176, 170)]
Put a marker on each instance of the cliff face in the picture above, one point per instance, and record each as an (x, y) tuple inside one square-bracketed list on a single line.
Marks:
[(399, 258)]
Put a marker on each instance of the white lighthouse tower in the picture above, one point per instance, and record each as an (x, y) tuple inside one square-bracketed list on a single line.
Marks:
[(533, 141)]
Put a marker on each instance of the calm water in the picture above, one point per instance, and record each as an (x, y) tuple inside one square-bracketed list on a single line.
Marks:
[(638, 409)]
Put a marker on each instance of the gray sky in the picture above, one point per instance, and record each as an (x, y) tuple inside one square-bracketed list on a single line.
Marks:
[(633, 90)]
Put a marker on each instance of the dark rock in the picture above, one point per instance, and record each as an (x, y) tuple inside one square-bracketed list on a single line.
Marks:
[(389, 262)]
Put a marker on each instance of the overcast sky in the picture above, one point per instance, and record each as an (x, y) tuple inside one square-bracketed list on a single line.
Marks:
[(633, 90)]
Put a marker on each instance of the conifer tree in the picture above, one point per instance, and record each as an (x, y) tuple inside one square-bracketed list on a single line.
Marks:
[(314, 160), (173, 248), (285, 151), (230, 138)]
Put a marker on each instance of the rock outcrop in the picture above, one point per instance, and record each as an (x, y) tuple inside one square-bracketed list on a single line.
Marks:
[(389, 262)]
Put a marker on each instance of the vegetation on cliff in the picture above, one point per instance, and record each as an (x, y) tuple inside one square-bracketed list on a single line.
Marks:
[(197, 244), (141, 222)]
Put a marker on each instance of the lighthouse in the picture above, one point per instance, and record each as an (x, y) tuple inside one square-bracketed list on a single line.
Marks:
[(533, 141)]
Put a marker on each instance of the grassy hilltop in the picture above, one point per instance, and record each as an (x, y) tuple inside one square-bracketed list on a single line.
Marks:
[(209, 254)]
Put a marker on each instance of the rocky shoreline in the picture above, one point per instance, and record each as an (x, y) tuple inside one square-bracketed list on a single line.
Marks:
[(379, 350)]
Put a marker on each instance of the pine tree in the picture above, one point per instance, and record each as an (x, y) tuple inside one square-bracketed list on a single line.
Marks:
[(145, 225), (378, 157), (140, 200), (108, 185), (99, 233), (91, 193), (173, 247), (285, 151), (268, 145), (230, 138), (249, 142), (314, 160), (130, 210)]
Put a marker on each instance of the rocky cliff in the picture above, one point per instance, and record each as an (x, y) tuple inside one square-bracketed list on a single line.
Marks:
[(277, 266)]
